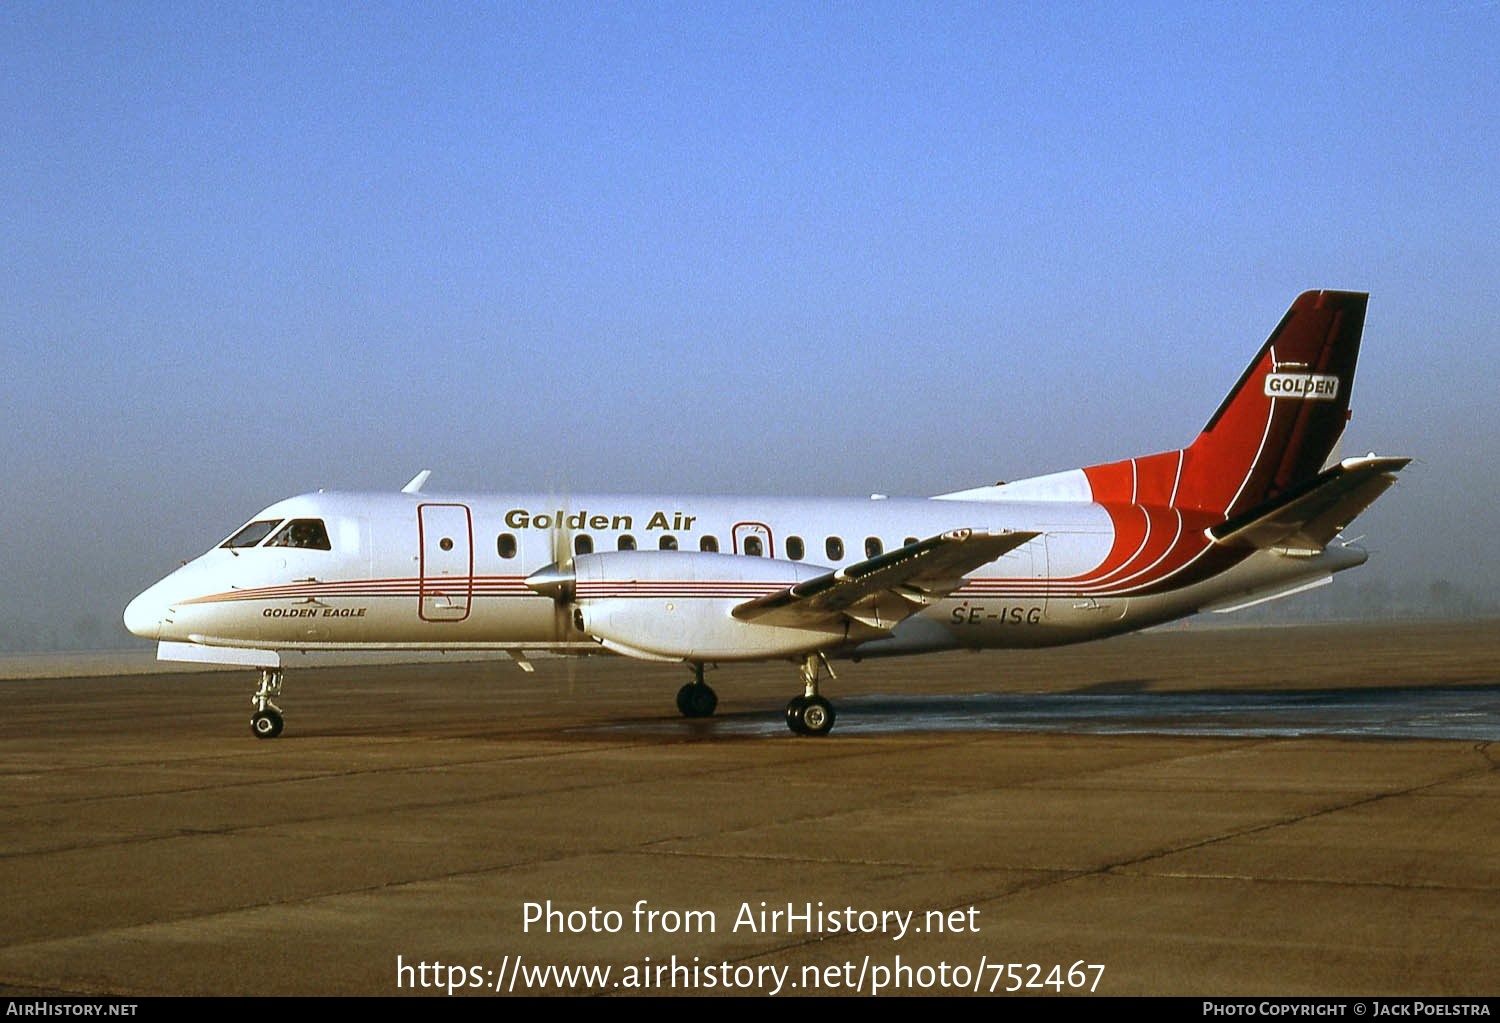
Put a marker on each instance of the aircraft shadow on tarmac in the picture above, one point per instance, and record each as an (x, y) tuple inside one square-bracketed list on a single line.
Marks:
[(1470, 712)]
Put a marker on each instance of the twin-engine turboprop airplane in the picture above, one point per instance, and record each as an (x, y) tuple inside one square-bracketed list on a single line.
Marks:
[(1249, 511)]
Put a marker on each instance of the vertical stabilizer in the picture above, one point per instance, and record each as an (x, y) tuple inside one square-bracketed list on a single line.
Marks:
[(1274, 430)]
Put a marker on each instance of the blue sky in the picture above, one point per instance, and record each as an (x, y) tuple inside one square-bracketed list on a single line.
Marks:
[(255, 250)]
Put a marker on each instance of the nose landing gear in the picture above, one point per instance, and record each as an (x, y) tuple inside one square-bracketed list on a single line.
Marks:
[(697, 699), (267, 722)]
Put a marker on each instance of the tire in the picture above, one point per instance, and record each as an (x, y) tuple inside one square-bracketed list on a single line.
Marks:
[(697, 700), (266, 724), (794, 709)]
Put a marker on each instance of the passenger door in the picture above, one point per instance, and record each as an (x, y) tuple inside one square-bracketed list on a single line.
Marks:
[(446, 541)]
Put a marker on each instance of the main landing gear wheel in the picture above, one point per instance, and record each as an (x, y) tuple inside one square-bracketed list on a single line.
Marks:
[(697, 699), (267, 722), (810, 714)]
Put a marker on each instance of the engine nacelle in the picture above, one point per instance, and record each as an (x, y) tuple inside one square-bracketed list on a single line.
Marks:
[(677, 604)]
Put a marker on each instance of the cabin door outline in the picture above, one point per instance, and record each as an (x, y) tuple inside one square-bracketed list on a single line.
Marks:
[(445, 540)]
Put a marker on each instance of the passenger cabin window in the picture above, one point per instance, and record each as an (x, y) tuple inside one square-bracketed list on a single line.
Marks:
[(627, 542), (754, 548), (505, 545), (834, 548), (873, 546), (668, 543), (795, 548), (709, 544), (251, 534), (306, 533), (583, 544)]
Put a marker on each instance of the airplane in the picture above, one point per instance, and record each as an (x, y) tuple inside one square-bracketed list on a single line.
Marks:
[(1251, 510)]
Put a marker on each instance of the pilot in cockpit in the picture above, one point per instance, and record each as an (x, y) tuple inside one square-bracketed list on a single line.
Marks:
[(306, 533)]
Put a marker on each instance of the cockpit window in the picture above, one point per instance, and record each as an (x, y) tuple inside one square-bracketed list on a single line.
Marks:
[(252, 534), (308, 533)]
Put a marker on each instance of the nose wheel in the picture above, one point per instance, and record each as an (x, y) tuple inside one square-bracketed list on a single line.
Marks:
[(810, 714), (697, 699), (266, 722)]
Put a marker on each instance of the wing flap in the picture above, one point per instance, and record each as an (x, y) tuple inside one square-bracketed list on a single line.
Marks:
[(881, 591), (1315, 513)]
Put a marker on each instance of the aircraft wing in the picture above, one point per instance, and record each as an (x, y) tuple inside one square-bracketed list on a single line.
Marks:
[(883, 590), (1311, 516)]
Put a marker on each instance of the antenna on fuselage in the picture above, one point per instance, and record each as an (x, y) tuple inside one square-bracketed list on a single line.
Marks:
[(417, 482)]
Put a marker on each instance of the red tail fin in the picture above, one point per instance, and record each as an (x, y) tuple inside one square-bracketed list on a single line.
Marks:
[(1274, 430)]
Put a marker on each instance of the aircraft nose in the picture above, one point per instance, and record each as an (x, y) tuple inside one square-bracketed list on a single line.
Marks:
[(143, 616)]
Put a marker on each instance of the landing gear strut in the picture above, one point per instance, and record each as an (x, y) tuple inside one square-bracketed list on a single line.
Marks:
[(810, 714), (697, 699), (266, 722)]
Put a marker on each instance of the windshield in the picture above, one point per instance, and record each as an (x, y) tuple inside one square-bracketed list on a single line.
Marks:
[(251, 534)]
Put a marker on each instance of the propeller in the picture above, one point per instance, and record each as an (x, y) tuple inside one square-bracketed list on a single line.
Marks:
[(557, 581)]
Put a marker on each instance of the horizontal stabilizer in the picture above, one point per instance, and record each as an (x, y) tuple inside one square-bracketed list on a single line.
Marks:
[(883, 590), (1311, 515)]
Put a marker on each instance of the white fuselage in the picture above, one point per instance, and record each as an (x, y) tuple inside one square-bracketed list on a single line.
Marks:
[(428, 571)]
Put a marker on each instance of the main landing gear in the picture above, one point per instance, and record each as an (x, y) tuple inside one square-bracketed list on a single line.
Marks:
[(266, 722), (810, 714), (697, 699)]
